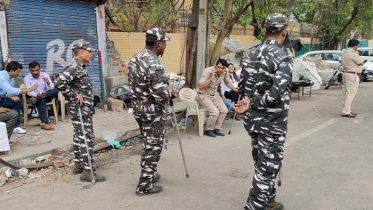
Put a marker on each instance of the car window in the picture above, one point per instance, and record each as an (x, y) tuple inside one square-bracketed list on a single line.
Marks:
[(314, 55), (337, 56), (366, 52)]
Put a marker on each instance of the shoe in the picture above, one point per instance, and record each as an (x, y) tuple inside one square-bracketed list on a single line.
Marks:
[(19, 130), (46, 126), (210, 133), (78, 169), (87, 177), (156, 178), (349, 115), (154, 190), (32, 101), (218, 133), (353, 113), (273, 205)]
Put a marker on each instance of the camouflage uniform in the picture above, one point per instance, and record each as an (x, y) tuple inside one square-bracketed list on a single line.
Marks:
[(266, 74), (73, 81), (150, 96)]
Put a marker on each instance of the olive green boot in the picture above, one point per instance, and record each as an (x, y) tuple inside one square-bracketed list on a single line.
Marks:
[(87, 177), (273, 205)]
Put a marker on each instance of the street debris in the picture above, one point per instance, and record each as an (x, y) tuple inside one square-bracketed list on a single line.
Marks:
[(58, 165)]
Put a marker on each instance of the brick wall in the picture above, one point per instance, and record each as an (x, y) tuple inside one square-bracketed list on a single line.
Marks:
[(128, 44)]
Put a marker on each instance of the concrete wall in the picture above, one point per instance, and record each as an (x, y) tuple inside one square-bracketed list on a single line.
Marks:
[(128, 44)]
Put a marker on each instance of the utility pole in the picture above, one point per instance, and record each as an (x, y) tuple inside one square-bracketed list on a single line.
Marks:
[(202, 39)]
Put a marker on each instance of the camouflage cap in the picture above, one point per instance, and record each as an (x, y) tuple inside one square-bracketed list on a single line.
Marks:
[(156, 34), (83, 45), (275, 23)]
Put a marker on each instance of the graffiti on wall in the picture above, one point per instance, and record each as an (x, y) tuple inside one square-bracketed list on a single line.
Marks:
[(57, 53)]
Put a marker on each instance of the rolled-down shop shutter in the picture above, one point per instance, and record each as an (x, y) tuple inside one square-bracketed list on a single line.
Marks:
[(1, 58), (45, 30)]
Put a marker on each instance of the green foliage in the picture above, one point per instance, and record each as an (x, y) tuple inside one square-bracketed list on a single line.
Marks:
[(331, 18), (136, 17)]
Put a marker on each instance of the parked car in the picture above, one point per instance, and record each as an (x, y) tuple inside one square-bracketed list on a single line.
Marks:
[(366, 53), (367, 70), (330, 56)]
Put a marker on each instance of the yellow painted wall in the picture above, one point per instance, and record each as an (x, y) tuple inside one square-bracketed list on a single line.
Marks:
[(370, 43), (128, 44), (246, 40)]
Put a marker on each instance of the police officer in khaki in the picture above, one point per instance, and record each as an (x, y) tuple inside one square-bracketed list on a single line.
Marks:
[(209, 98), (351, 63)]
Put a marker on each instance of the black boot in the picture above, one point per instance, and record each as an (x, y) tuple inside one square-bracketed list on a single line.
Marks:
[(154, 190), (156, 178), (210, 133), (78, 169), (87, 176), (273, 205), (218, 133)]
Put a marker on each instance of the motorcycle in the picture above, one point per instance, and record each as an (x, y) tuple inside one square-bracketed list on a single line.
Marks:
[(337, 76)]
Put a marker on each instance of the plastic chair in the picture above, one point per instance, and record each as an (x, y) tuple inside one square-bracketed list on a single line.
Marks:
[(26, 105), (189, 96), (61, 105)]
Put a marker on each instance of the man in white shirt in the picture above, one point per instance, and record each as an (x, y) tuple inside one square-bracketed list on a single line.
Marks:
[(41, 96)]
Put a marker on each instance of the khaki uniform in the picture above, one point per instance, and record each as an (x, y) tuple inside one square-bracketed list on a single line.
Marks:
[(209, 98), (351, 79)]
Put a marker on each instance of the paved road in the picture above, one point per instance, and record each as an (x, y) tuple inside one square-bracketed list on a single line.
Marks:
[(328, 165)]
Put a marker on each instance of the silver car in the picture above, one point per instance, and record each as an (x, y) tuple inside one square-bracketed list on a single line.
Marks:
[(330, 56)]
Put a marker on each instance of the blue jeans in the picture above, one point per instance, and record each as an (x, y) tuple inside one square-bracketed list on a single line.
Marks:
[(8, 103), (41, 104), (228, 104)]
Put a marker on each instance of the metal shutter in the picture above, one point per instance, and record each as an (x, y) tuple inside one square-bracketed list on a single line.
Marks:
[(44, 30), (1, 58)]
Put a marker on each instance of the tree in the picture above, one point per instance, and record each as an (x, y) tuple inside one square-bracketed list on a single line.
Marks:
[(233, 10), (335, 19), (135, 17)]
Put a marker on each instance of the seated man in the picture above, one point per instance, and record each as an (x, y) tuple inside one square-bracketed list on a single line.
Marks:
[(41, 96), (9, 94), (9, 117), (208, 96)]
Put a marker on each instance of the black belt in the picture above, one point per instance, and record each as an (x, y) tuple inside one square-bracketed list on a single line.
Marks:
[(203, 93)]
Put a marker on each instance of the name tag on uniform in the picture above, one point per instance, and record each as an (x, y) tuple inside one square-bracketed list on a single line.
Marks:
[(158, 66)]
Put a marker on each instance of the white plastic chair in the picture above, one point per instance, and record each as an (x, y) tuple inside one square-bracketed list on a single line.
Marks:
[(26, 105), (189, 96)]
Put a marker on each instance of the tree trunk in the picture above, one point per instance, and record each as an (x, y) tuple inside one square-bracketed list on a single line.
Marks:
[(222, 34), (191, 51), (219, 41)]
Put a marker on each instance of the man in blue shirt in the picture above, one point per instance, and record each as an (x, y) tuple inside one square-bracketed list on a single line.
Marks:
[(9, 94)]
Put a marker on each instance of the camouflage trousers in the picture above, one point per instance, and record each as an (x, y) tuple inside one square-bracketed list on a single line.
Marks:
[(152, 133), (267, 152), (79, 147)]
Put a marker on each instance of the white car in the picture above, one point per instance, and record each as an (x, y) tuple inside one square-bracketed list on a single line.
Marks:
[(366, 53), (330, 56)]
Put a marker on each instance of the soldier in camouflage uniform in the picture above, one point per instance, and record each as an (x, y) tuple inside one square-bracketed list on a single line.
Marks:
[(266, 80), (76, 86), (150, 96)]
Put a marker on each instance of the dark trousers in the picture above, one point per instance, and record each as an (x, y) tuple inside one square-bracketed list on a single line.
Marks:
[(233, 96), (8, 103), (41, 104), (10, 120)]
